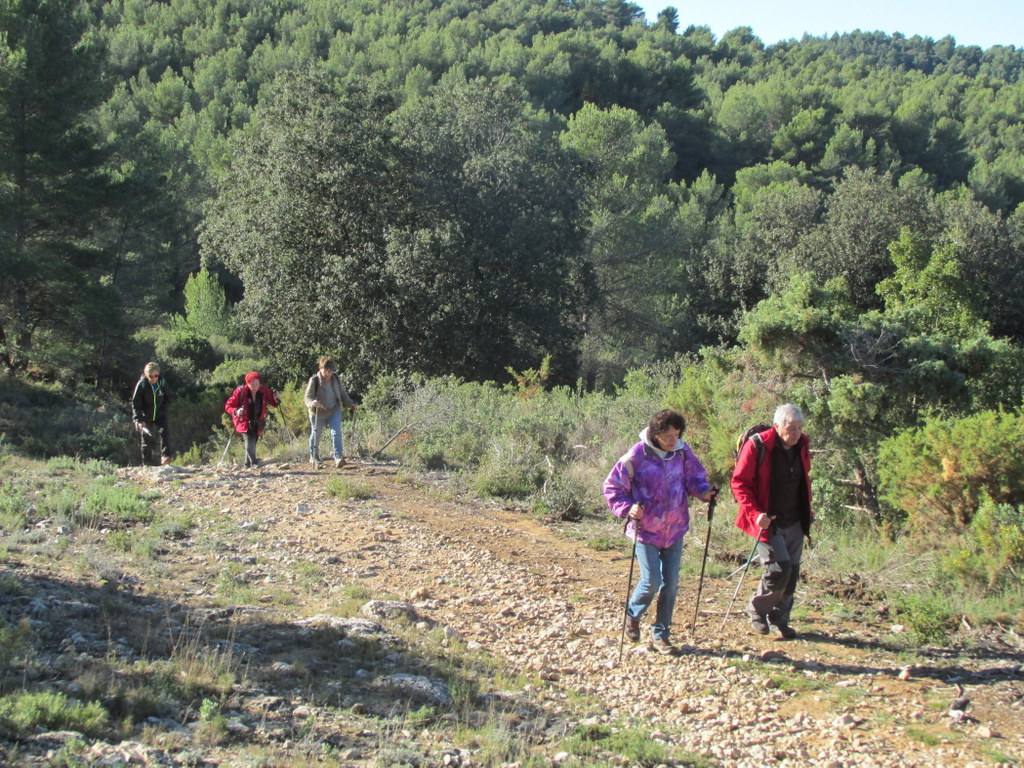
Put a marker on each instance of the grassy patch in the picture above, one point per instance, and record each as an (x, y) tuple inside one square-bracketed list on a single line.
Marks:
[(349, 489), (23, 712)]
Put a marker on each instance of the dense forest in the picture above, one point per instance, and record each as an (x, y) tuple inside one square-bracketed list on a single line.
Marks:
[(482, 187)]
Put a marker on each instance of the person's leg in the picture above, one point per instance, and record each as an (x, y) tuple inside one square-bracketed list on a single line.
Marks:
[(334, 425), (165, 442), (671, 558), (650, 579), (250, 449), (315, 428), (775, 559), (793, 536), (147, 445)]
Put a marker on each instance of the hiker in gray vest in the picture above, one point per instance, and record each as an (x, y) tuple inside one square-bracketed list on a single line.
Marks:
[(325, 398), (773, 487)]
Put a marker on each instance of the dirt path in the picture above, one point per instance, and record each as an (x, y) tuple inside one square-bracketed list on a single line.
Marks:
[(843, 694)]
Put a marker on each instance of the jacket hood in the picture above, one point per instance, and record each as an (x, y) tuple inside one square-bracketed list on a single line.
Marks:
[(648, 443)]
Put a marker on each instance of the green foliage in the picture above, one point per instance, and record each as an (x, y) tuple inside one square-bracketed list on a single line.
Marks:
[(941, 473), (186, 352), (927, 614), (206, 307), (13, 507), (566, 497), (15, 642), (23, 712), (634, 745), (990, 555), (348, 489), (108, 501)]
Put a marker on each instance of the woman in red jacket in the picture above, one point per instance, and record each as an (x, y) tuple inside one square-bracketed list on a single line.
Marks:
[(247, 406)]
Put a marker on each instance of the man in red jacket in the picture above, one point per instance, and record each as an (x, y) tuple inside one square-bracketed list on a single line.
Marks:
[(772, 484)]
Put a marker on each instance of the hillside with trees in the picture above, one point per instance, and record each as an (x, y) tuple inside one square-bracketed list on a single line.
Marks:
[(553, 206)]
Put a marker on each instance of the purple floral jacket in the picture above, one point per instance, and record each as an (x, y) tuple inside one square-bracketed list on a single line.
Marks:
[(661, 486)]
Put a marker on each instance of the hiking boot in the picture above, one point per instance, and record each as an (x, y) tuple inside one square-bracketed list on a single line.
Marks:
[(664, 645), (632, 629), (759, 625), (785, 631), (315, 462), (339, 463), (165, 459)]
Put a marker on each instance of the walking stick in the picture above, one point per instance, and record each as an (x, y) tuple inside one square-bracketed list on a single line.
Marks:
[(284, 417), (629, 588), (746, 566), (225, 452), (704, 562)]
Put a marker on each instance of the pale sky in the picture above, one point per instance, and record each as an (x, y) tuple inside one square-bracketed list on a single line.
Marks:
[(971, 22)]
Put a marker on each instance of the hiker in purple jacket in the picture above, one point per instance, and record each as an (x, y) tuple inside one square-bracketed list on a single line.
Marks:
[(649, 487)]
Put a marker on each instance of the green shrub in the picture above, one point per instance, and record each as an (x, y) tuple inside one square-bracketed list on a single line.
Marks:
[(186, 352), (110, 501), (23, 712), (565, 497), (928, 615), (15, 642), (13, 507), (991, 554), (346, 488), (940, 473)]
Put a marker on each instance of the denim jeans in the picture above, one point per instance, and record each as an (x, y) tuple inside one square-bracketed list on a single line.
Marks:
[(317, 422), (780, 556), (659, 575)]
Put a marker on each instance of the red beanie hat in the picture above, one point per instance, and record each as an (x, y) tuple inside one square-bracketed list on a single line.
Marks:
[(250, 376)]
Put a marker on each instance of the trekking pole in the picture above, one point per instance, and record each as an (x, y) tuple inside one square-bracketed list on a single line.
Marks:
[(743, 573), (704, 562), (629, 588), (225, 452), (392, 439), (284, 417)]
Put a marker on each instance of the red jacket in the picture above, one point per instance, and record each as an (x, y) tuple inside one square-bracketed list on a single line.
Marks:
[(239, 399), (755, 497)]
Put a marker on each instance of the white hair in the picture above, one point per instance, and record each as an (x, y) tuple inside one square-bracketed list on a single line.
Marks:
[(786, 414)]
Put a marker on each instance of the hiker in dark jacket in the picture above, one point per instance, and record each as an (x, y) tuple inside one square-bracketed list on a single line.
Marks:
[(150, 402), (773, 487), (325, 397), (247, 407)]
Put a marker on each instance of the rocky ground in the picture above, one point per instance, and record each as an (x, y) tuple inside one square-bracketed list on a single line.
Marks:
[(536, 614)]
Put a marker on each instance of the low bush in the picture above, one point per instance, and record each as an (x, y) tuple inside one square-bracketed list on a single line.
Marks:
[(940, 473), (990, 555), (24, 712)]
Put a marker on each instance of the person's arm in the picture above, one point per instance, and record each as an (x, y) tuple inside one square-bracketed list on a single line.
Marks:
[(273, 400), (309, 398), (742, 484), (343, 396), (695, 477), (234, 402), (137, 405), (618, 490), (168, 393)]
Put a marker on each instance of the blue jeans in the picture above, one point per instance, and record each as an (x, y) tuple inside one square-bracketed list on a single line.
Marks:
[(659, 575), (317, 423)]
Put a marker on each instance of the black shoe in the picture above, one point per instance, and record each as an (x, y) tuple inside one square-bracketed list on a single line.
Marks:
[(785, 631), (759, 625), (632, 629), (664, 645)]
